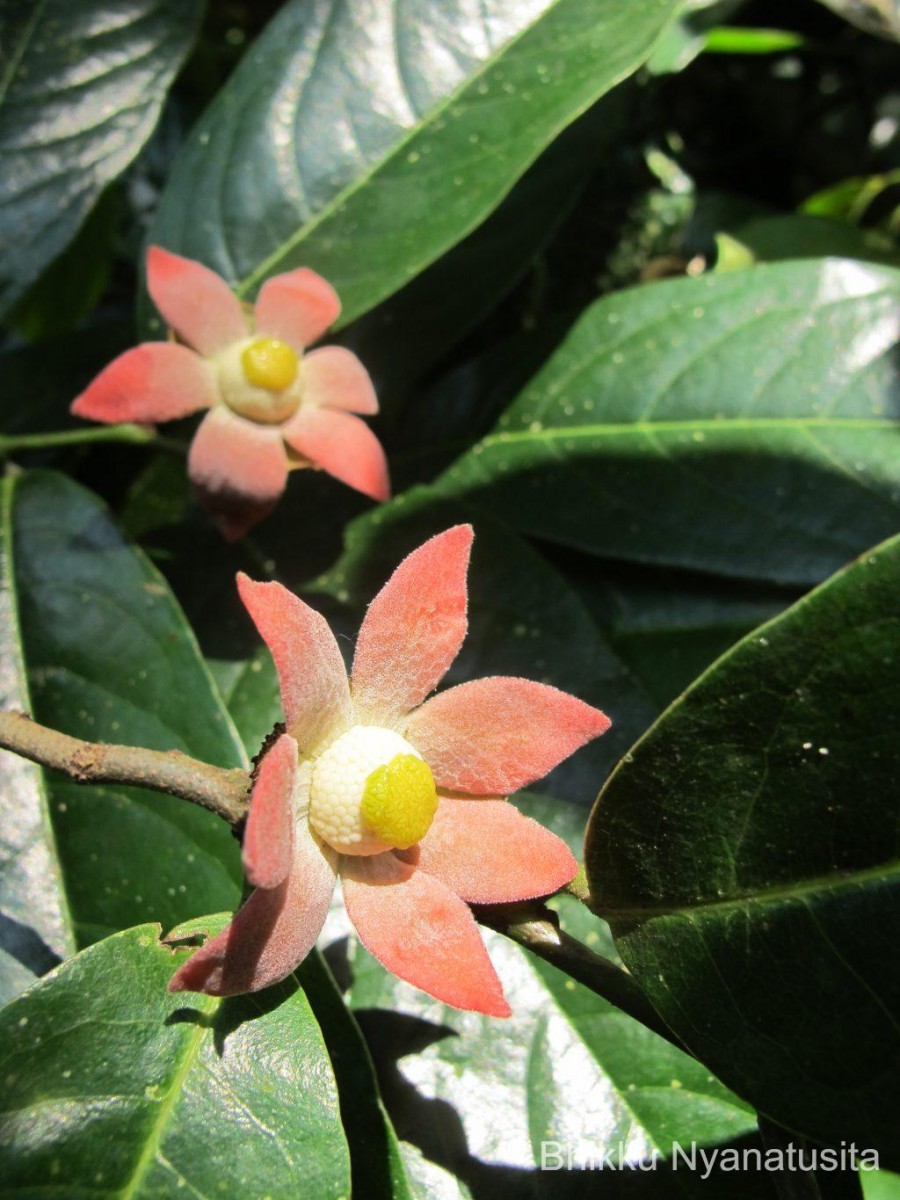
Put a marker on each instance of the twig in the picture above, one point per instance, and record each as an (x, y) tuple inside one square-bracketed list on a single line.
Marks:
[(538, 931), (222, 791), (13, 442)]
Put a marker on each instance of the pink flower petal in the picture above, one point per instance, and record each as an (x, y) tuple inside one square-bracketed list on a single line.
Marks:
[(421, 932), (297, 307), (342, 445), (414, 628), (335, 378), (269, 834), (271, 934), (197, 303), (157, 381), (238, 468), (314, 688), (488, 853), (493, 736)]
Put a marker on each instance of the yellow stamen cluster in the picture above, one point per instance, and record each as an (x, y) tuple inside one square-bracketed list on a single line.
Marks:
[(270, 364), (400, 800)]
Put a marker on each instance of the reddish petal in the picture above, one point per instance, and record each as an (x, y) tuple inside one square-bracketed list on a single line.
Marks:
[(238, 468), (269, 835), (195, 301), (272, 933), (414, 628), (157, 381), (488, 853), (314, 688), (493, 736), (342, 445), (421, 932), (297, 307), (335, 378)]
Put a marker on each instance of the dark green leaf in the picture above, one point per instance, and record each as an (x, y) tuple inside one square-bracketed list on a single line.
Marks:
[(746, 854), (36, 928), (80, 93), (803, 235), (365, 143), (114, 1086), (109, 657), (567, 1067), (376, 1157), (742, 424)]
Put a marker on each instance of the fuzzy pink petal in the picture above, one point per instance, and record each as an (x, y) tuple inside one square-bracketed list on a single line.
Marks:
[(197, 303), (157, 381), (422, 932), (493, 736), (414, 628), (297, 307), (488, 853), (342, 445), (269, 835), (335, 378), (271, 934), (238, 468), (314, 688)]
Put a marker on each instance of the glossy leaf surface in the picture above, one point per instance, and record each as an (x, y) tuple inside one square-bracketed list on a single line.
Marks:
[(112, 1085), (293, 164), (743, 424), (110, 657), (745, 854), (80, 93)]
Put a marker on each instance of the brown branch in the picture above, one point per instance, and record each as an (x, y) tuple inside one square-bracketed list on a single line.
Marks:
[(537, 929), (222, 791)]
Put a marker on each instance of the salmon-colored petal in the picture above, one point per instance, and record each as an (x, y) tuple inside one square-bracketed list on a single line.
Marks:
[(314, 688), (271, 934), (297, 307), (342, 445), (422, 932), (493, 736), (414, 628), (488, 853), (197, 303), (238, 469), (269, 834), (157, 381), (335, 378)]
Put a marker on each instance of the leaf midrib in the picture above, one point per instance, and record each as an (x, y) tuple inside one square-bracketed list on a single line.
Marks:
[(807, 888), (270, 264), (158, 1126), (20, 51), (706, 424)]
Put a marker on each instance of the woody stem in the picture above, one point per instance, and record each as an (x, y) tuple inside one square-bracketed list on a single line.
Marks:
[(222, 791), (536, 928)]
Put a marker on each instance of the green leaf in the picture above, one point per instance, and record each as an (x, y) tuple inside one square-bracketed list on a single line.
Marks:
[(524, 619), (114, 1086), (668, 626), (36, 928), (376, 1157), (566, 1067), (368, 143), (109, 657), (804, 235), (742, 424), (745, 856), (80, 94)]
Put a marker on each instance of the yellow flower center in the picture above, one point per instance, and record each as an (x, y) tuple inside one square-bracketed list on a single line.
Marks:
[(270, 364), (400, 800), (260, 379)]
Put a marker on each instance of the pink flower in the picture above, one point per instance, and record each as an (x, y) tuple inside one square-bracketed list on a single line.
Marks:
[(399, 795), (271, 406)]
